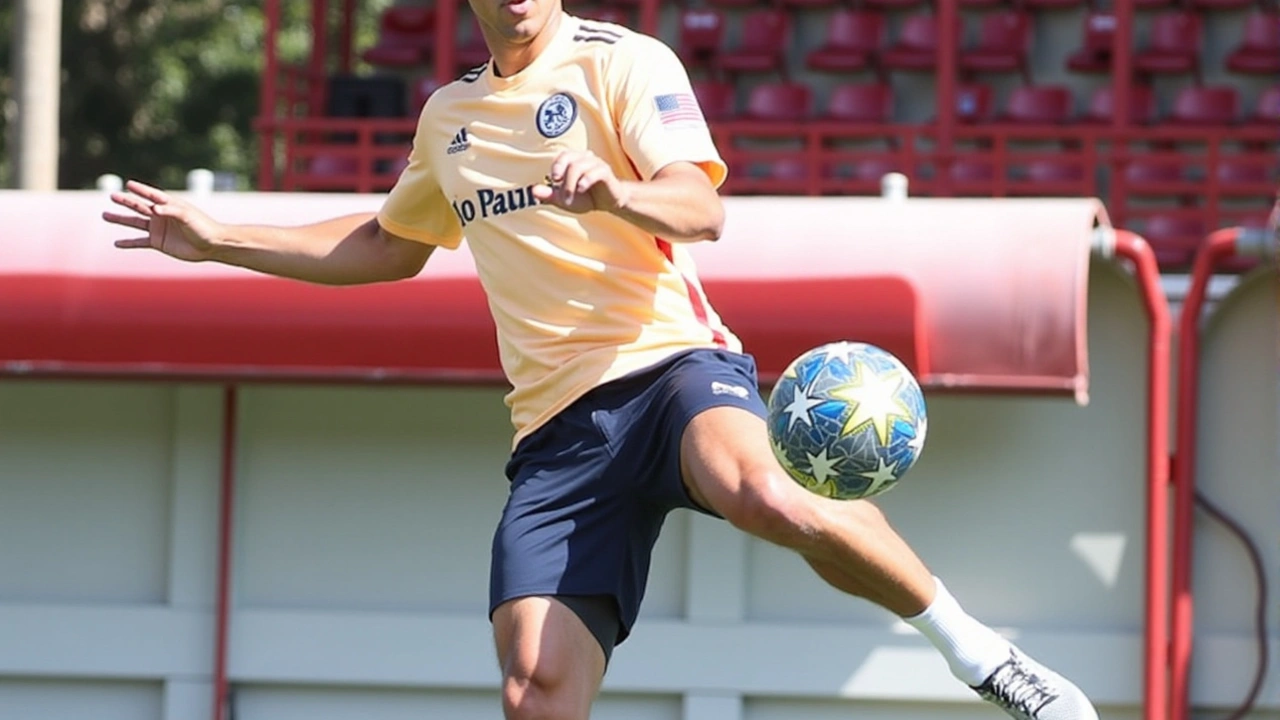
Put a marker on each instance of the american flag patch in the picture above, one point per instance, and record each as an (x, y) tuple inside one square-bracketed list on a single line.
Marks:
[(679, 109)]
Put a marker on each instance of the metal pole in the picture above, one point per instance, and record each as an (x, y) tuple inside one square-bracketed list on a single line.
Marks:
[(37, 63)]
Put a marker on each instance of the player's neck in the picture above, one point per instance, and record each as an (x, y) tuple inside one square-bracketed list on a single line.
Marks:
[(510, 58)]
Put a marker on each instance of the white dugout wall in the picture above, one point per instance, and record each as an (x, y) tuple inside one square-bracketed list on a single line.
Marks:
[(363, 520)]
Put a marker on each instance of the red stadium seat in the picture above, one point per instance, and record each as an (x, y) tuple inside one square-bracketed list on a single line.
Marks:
[(892, 4), (1004, 39), (1220, 4), (406, 37), (806, 4), (915, 47), (1248, 173), (1054, 172), (1205, 105), (1142, 105), (972, 176), (973, 171), (766, 35), (852, 40), (974, 103), (868, 170), (779, 102), (701, 35), (331, 165), (1094, 55), (717, 99), (1039, 105), (733, 3), (615, 15), (1174, 238), (472, 51), (1267, 110), (1259, 51), (861, 103), (794, 170), (1174, 45), (1051, 4), (979, 4), (1155, 177)]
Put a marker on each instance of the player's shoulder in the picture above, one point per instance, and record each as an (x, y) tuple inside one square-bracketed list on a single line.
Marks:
[(613, 40), (465, 85)]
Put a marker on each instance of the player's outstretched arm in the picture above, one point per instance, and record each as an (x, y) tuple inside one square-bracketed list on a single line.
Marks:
[(679, 203), (347, 250)]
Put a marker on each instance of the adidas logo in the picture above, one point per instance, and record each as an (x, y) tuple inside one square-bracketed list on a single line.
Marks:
[(459, 143)]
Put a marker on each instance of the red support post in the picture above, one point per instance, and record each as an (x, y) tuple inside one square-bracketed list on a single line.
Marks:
[(267, 96), (318, 66), (1219, 245), (948, 44), (446, 29), (1122, 63), (347, 38), (1134, 248), (226, 526)]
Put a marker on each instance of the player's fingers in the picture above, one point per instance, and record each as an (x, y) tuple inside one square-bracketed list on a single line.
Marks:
[(133, 202), (591, 177), (133, 243), (177, 212), (544, 193), (155, 195), (560, 166), (133, 221), (572, 176)]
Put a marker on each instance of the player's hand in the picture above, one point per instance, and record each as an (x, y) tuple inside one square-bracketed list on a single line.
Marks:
[(172, 226), (580, 182)]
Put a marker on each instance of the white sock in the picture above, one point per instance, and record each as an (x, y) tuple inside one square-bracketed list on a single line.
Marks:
[(973, 651)]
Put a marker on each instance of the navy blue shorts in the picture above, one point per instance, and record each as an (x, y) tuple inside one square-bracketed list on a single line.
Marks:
[(591, 488)]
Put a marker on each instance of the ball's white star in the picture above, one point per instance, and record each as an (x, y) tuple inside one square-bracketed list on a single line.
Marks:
[(836, 351), (874, 398), (917, 443), (881, 475), (822, 466), (798, 410)]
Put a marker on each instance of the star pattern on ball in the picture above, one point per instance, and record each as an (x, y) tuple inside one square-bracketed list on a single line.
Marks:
[(800, 408), (874, 399), (823, 466), (917, 443), (881, 475)]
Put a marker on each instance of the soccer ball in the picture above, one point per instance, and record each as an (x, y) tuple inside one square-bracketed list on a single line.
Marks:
[(847, 420)]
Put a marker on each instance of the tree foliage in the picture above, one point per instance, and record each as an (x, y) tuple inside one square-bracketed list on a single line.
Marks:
[(154, 88)]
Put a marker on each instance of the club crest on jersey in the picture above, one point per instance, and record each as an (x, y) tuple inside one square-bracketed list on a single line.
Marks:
[(556, 115)]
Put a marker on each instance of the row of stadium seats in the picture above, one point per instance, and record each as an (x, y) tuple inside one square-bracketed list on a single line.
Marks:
[(858, 39), (1143, 5), (1193, 105)]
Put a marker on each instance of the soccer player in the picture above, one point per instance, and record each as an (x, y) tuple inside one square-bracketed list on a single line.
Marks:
[(577, 165)]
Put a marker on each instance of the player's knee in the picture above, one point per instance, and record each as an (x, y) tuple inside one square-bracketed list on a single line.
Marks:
[(538, 691), (769, 507)]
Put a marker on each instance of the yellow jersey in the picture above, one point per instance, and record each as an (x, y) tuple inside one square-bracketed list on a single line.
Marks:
[(577, 299)]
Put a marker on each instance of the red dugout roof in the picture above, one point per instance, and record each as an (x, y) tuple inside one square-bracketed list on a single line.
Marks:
[(972, 294)]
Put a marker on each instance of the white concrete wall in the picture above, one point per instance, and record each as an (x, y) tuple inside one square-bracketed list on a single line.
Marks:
[(363, 519), (1238, 469)]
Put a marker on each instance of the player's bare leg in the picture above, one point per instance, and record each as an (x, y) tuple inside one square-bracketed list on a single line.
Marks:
[(552, 665), (729, 467)]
